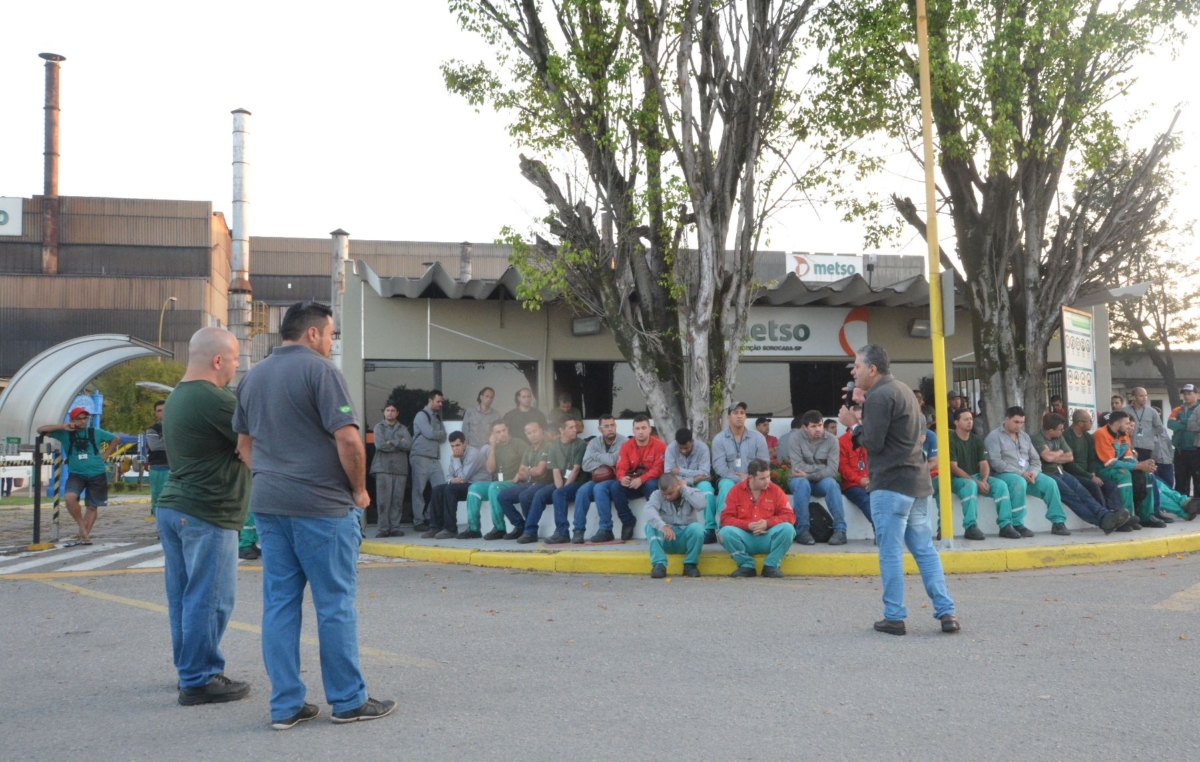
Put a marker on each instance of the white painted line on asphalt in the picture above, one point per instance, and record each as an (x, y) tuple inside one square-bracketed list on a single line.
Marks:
[(58, 557), (1184, 600), (96, 563), (153, 563)]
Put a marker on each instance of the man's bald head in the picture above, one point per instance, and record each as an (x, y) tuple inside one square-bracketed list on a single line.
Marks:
[(212, 356)]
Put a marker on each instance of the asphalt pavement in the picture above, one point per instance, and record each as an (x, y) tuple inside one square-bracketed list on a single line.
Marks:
[(1071, 663)]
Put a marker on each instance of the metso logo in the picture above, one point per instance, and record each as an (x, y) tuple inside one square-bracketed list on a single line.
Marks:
[(823, 269)]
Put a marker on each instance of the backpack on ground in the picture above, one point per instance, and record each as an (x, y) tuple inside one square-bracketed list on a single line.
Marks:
[(820, 522)]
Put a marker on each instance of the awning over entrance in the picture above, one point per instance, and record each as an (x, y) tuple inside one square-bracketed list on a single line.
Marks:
[(42, 390)]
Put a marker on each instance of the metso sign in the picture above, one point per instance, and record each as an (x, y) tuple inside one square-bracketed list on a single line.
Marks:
[(805, 332)]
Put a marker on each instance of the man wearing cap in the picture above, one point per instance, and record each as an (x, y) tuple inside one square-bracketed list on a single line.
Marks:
[(1185, 428), (763, 426), (732, 451), (954, 401), (87, 476), (691, 462)]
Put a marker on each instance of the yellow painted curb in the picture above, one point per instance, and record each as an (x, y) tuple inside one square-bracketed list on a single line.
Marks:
[(499, 559), (795, 564)]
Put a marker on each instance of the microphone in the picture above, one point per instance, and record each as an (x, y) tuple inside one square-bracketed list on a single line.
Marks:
[(848, 397)]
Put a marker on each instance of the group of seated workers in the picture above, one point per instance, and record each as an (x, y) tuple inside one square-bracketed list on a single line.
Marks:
[(697, 494), (1097, 475)]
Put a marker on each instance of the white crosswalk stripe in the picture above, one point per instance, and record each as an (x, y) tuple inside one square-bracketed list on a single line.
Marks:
[(54, 556), (96, 563)]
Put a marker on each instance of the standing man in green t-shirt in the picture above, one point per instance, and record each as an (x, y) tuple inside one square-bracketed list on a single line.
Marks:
[(199, 514), (87, 476)]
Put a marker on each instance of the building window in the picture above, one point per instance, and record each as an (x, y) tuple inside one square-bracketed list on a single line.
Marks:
[(408, 384)]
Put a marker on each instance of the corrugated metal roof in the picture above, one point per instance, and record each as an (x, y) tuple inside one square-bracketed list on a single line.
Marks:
[(853, 291)]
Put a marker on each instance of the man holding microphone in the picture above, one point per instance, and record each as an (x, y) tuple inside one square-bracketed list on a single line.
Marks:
[(900, 488)]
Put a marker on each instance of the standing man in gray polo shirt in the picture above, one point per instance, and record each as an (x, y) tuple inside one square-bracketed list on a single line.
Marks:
[(299, 433), (426, 456), (1148, 425)]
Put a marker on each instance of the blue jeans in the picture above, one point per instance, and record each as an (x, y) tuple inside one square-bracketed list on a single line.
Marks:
[(522, 493), (533, 501), (583, 498), (610, 492), (562, 498), (802, 493), (201, 581), (902, 521), (322, 553), (1078, 499), (862, 499)]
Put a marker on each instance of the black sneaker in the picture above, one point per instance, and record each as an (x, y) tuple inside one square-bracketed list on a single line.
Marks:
[(602, 535), (557, 539), (710, 536), (577, 537), (890, 626), (1164, 517), (973, 532), (495, 534), (470, 534), (1008, 533), (950, 624), (446, 534), (430, 534), (525, 539), (1060, 529), (1023, 530), (250, 553), (804, 537), (627, 530), (691, 570), (218, 690), (658, 572), (372, 709), (306, 713), (515, 534), (422, 527), (772, 572), (744, 571)]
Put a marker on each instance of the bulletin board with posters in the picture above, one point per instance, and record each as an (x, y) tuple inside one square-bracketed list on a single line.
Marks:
[(1079, 361)]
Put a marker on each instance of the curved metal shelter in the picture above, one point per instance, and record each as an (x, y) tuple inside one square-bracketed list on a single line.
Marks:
[(42, 390)]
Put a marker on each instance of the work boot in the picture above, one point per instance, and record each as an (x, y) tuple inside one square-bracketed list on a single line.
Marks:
[(495, 534), (949, 624), (1008, 533), (1110, 521), (516, 533), (1124, 528), (804, 537), (1060, 529), (577, 537), (1023, 530), (1191, 508), (771, 572), (1164, 517), (691, 570), (973, 532), (250, 553), (1134, 524), (838, 537), (422, 527), (525, 539), (470, 534), (658, 572), (602, 535), (557, 539), (744, 571), (627, 530), (710, 536), (446, 534), (1153, 522)]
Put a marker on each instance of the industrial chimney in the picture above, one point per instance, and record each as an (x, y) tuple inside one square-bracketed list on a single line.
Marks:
[(50, 189), (240, 293), (341, 255)]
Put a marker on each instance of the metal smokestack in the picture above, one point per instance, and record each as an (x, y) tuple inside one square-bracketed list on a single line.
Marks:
[(240, 293), (465, 257), (50, 189), (341, 255)]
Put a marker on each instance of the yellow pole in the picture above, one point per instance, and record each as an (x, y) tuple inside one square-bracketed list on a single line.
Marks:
[(161, 314), (936, 326)]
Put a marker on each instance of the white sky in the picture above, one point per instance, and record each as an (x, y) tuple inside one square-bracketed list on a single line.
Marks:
[(351, 127)]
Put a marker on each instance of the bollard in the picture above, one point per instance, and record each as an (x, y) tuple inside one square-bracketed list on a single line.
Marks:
[(37, 543)]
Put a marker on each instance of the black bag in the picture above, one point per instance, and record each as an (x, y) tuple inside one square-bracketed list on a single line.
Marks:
[(820, 522)]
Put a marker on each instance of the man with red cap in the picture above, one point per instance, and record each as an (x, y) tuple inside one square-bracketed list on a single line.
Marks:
[(87, 476)]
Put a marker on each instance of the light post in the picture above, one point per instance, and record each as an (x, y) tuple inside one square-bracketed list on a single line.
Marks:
[(161, 314)]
